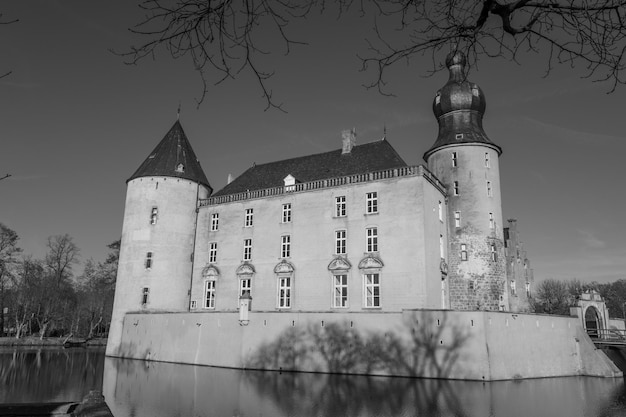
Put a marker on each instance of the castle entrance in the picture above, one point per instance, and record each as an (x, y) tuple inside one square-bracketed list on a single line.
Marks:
[(593, 322)]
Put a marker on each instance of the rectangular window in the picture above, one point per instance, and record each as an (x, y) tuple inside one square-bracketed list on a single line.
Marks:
[(494, 254), (457, 219), (372, 239), (489, 193), (372, 203), (491, 221), (247, 249), (372, 290), (153, 215), (340, 291), (148, 260), (245, 284), (249, 217), (455, 188), (340, 206), (528, 289), (286, 213), (455, 161), (442, 253), (340, 242), (213, 252), (440, 211), (215, 221), (513, 287), (463, 252), (285, 246), (284, 292), (144, 295), (193, 304), (487, 163), (209, 290)]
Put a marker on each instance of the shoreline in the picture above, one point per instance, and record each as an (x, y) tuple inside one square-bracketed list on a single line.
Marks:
[(35, 341)]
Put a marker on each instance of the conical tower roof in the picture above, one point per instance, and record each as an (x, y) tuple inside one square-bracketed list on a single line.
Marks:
[(173, 157)]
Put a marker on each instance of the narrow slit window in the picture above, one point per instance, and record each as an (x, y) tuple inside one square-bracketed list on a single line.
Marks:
[(457, 219), (455, 161), (149, 260), (153, 215)]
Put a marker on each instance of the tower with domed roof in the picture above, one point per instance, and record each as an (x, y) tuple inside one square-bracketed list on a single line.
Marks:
[(158, 233), (466, 161)]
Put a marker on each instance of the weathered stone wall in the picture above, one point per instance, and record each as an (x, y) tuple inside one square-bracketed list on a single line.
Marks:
[(474, 217), (472, 345), (518, 270)]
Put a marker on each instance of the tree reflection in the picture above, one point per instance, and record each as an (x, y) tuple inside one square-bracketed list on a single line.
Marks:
[(47, 374)]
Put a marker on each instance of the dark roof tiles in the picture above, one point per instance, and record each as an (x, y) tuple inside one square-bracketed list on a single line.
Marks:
[(369, 157), (173, 157)]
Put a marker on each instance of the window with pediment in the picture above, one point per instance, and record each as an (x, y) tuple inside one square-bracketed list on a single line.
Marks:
[(339, 270), (371, 270), (245, 273), (210, 275), (284, 271)]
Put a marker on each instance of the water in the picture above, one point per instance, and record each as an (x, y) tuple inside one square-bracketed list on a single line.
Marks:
[(152, 389)]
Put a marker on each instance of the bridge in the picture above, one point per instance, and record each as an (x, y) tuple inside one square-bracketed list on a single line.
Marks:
[(607, 337)]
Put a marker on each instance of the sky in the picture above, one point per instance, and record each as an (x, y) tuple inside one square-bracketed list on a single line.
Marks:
[(76, 122)]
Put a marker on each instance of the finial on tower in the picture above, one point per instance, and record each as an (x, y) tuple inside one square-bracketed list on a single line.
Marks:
[(178, 111)]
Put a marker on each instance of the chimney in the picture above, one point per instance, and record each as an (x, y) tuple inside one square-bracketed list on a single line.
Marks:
[(349, 140)]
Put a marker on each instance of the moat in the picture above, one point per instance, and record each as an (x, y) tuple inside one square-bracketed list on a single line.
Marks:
[(152, 389)]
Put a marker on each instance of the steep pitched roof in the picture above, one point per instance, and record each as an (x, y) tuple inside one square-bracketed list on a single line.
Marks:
[(369, 157), (173, 157)]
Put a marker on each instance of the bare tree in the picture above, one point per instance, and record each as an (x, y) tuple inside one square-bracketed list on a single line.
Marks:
[(227, 37), (8, 260), (62, 255), (553, 297)]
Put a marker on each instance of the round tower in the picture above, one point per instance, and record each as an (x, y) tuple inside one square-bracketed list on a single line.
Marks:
[(466, 161), (158, 233)]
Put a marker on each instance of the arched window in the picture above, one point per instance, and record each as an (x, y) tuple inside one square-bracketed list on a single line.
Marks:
[(284, 275), (339, 269), (371, 270), (210, 274)]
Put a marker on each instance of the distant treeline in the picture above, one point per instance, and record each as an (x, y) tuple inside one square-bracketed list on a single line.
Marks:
[(43, 296)]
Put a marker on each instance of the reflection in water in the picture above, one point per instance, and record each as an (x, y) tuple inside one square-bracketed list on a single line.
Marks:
[(152, 389), (49, 374)]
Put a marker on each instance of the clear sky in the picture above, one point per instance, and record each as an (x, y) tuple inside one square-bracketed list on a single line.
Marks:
[(75, 123)]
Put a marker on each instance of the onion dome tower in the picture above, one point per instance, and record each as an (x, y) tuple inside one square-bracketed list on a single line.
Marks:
[(158, 234), (466, 161)]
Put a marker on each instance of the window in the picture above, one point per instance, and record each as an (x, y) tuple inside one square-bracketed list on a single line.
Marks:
[(144, 296), (284, 292), (440, 211), (212, 252), (153, 215), (455, 161), (491, 221), (455, 188), (340, 291), (372, 239), (285, 247), (528, 289), (249, 217), (441, 250), (245, 284), (494, 254), (340, 242), (513, 287), (487, 163), (194, 304), (372, 203), (247, 249), (457, 219), (463, 252), (286, 213), (148, 260), (372, 290), (489, 193), (209, 291), (340, 206), (215, 221)]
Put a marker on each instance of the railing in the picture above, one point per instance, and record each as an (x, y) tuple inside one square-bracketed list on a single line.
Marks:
[(607, 336), (408, 171)]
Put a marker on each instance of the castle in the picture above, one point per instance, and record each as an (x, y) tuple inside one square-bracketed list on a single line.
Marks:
[(353, 230)]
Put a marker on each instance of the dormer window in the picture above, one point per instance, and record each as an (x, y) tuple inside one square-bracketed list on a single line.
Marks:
[(180, 168), (438, 97), (458, 136), (290, 183), (475, 90)]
